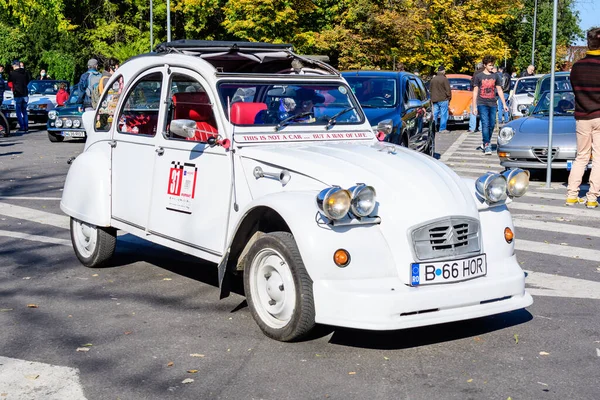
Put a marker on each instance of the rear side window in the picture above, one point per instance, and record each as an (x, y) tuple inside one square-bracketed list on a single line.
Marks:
[(108, 106)]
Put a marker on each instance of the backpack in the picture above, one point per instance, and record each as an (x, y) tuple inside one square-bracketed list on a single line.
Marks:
[(92, 91)]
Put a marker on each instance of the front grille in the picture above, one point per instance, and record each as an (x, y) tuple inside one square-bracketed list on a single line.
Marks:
[(447, 237), (541, 153)]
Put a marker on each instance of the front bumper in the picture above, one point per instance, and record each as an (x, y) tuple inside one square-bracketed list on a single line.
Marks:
[(388, 304), (532, 157)]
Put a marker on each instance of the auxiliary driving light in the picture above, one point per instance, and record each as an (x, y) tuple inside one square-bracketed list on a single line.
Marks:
[(68, 123), (76, 123), (517, 181), (59, 123), (491, 187), (334, 202)]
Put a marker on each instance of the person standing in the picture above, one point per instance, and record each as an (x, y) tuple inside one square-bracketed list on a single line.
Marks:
[(2, 84), (485, 86), (19, 79), (503, 116), (111, 66), (43, 75), (530, 71), (585, 75), (440, 97), (474, 122), (89, 81)]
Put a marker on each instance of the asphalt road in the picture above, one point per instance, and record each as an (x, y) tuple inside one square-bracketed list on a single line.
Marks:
[(138, 329)]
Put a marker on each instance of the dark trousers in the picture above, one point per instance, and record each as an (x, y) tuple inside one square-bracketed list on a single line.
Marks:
[(21, 110)]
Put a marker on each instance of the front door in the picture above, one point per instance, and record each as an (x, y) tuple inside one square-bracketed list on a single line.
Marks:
[(133, 153), (192, 188)]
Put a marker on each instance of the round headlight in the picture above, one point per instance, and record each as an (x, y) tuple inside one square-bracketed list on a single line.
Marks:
[(334, 202), (505, 135), (68, 123), (51, 114), (517, 181), (58, 123), (363, 200), (76, 123), (491, 187)]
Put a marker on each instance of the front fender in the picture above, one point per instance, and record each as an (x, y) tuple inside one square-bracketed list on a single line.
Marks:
[(369, 251), (86, 195)]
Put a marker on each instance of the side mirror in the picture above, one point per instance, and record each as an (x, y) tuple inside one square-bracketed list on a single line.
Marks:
[(385, 127), (412, 103), (183, 127)]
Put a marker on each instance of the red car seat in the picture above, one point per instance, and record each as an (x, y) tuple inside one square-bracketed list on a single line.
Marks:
[(245, 113), (196, 106)]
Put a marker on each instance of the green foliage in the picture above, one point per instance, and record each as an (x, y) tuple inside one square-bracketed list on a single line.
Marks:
[(60, 65)]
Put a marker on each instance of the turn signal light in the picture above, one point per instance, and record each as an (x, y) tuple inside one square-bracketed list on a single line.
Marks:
[(503, 154), (341, 258), (508, 235)]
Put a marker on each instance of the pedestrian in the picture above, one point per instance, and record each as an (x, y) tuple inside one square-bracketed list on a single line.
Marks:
[(22, 65), (585, 75), (88, 82), (530, 71), (2, 84), (19, 80), (111, 66), (441, 94), (43, 75), (474, 121), (486, 84), (503, 116), (62, 95)]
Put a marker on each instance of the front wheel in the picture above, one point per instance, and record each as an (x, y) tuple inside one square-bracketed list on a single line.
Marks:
[(278, 288), (94, 246)]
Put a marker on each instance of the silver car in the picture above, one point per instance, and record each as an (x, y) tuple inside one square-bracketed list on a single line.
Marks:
[(523, 143), (521, 96)]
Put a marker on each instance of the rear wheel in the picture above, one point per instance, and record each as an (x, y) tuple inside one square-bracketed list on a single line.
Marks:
[(55, 138), (93, 245), (4, 126), (278, 288)]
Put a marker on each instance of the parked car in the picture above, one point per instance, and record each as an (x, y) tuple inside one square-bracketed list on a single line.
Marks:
[(562, 81), (42, 99), (289, 187), (459, 108), (521, 97), (523, 143), (399, 101), (65, 122)]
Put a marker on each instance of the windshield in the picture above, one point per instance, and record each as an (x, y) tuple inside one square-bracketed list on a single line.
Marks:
[(75, 97), (374, 92), (526, 86), (561, 82), (284, 105), (563, 104), (460, 83), (43, 87)]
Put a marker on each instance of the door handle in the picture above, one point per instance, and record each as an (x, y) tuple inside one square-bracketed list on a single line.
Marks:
[(113, 143), (160, 151)]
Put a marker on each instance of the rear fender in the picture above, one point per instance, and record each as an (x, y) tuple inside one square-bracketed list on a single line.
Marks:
[(87, 191)]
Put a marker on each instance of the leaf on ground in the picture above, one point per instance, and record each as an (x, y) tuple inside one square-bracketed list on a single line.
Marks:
[(352, 373), (128, 333), (386, 358), (32, 377), (5, 309), (197, 355), (32, 306), (545, 241), (87, 345), (516, 338), (83, 349), (187, 380), (477, 339), (167, 279), (544, 353), (470, 380), (543, 384), (170, 364), (564, 244), (26, 278), (192, 371), (598, 352), (95, 275)]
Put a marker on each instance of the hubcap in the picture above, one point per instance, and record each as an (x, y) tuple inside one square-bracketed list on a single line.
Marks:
[(86, 237), (272, 288)]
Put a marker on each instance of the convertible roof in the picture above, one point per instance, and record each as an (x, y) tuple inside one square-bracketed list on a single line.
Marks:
[(248, 57)]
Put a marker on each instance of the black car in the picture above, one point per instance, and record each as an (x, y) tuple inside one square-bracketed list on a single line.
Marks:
[(397, 104)]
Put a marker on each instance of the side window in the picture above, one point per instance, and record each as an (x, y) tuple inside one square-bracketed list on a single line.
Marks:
[(139, 114), (410, 91), (108, 106), (189, 100), (422, 90)]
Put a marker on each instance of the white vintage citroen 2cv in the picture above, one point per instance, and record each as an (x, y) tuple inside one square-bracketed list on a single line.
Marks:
[(262, 161)]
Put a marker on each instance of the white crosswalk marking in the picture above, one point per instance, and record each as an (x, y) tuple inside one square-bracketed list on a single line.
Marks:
[(42, 217)]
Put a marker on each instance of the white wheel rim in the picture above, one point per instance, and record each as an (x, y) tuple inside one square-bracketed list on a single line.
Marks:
[(272, 288), (86, 237)]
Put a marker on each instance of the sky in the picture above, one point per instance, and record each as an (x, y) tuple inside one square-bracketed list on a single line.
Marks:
[(589, 15)]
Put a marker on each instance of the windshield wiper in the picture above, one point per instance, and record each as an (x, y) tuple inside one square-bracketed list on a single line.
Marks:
[(333, 120), (291, 118), (367, 106)]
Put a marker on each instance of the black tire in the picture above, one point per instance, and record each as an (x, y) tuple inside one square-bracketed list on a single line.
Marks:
[(55, 138), (287, 269), (101, 243), (4, 126)]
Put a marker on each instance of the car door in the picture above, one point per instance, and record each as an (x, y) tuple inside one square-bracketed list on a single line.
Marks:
[(134, 142), (423, 126), (409, 115), (192, 180)]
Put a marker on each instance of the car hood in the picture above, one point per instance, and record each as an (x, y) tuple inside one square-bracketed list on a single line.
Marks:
[(461, 100), (411, 187), (538, 125), (376, 115), (76, 110), (41, 98)]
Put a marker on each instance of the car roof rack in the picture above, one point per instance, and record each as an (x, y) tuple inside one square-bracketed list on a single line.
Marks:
[(210, 46)]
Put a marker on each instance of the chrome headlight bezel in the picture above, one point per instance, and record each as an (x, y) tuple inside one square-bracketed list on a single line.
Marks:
[(331, 198), (360, 194), (491, 187), (52, 114), (505, 135), (517, 181)]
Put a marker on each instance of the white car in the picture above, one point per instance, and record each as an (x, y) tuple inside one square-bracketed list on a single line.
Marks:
[(262, 161), (41, 99), (521, 96)]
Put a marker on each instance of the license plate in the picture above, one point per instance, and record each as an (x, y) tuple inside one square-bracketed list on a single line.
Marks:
[(458, 118), (448, 271), (74, 134), (12, 115)]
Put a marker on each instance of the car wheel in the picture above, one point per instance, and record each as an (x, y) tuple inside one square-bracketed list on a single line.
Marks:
[(55, 138), (431, 148), (278, 288), (93, 245)]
